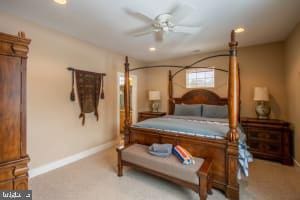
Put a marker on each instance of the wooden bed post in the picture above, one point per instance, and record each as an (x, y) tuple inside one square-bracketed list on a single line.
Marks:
[(233, 91), (232, 189), (127, 121), (170, 91), (170, 85)]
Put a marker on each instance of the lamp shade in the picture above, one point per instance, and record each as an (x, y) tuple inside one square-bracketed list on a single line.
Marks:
[(261, 94), (154, 95)]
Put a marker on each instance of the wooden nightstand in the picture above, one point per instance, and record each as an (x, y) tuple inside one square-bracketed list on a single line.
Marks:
[(269, 139), (148, 114)]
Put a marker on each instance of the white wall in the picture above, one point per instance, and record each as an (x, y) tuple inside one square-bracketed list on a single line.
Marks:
[(293, 85), (260, 65), (54, 130)]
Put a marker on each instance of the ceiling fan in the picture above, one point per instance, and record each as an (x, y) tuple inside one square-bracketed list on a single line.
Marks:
[(164, 23)]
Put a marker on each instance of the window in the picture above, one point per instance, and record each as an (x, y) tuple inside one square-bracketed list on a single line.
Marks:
[(122, 80), (200, 78)]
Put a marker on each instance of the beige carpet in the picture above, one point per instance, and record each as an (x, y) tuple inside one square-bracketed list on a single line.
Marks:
[(94, 178)]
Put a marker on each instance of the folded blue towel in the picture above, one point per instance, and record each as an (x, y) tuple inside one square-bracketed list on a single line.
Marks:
[(159, 154), (161, 150)]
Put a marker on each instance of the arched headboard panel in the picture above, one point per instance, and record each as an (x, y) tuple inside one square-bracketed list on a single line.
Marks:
[(198, 96)]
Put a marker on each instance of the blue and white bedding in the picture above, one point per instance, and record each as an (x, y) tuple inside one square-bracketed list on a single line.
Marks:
[(200, 126)]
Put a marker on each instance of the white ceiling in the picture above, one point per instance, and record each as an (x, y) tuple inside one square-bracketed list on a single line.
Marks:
[(106, 23)]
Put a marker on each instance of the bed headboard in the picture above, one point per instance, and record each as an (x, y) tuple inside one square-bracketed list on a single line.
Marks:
[(198, 96)]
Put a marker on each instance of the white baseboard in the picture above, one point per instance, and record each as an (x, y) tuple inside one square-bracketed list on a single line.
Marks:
[(68, 160), (296, 162)]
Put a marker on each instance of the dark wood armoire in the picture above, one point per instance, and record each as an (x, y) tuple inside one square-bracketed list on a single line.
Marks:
[(13, 156)]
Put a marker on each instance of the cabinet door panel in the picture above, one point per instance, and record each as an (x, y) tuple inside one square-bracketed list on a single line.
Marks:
[(6, 185), (21, 183), (10, 106)]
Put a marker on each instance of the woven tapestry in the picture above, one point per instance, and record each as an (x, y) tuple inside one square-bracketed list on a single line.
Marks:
[(89, 91)]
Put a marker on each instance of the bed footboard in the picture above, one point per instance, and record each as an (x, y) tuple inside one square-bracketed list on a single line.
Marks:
[(224, 154)]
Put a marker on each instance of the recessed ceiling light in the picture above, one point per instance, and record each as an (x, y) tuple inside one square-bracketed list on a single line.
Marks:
[(239, 30), (152, 49), (63, 2)]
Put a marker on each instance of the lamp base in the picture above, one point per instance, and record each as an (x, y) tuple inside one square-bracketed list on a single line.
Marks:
[(263, 110), (155, 106)]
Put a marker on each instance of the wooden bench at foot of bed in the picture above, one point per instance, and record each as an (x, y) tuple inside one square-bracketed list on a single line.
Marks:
[(196, 177)]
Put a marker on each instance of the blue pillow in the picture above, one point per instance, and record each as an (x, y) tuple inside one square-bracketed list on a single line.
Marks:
[(215, 111), (188, 110)]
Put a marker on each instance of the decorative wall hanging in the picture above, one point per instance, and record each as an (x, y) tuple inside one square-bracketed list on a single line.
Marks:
[(90, 88)]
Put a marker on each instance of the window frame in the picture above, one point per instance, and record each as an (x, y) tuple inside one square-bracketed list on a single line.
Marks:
[(199, 73)]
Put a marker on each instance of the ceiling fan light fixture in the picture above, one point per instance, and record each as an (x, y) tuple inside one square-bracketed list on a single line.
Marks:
[(62, 2), (239, 30), (164, 23), (152, 49)]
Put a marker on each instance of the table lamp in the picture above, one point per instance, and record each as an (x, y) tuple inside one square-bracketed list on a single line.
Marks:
[(261, 96), (154, 97)]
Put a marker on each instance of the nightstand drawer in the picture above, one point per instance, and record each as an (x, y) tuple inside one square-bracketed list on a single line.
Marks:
[(255, 145), (272, 148), (274, 136), (265, 135)]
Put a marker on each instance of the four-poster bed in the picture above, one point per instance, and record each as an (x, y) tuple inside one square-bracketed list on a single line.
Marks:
[(225, 151)]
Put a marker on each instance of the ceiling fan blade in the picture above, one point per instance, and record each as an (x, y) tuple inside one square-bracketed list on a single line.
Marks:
[(138, 30), (159, 36), (186, 29), (143, 32), (140, 16), (179, 12)]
